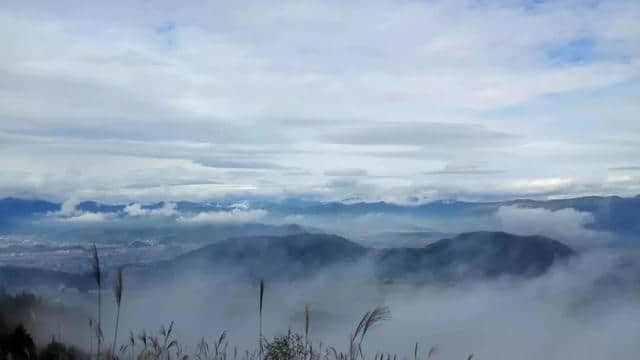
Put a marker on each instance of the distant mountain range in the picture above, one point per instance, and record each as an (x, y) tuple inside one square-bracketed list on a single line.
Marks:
[(469, 256), (29, 278), (290, 257), (11, 208), (466, 257), (476, 255), (611, 213)]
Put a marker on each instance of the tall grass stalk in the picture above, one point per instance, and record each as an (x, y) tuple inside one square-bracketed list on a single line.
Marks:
[(432, 351), (260, 302), (97, 275), (117, 292), (90, 336), (306, 324), (132, 343), (369, 320)]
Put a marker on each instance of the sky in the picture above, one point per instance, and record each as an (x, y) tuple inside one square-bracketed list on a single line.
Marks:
[(404, 101)]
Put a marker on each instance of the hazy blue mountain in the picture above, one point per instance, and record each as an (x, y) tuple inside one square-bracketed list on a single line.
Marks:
[(612, 213), (14, 208), (92, 206), (22, 277), (475, 255), (271, 257), (469, 256), (412, 239)]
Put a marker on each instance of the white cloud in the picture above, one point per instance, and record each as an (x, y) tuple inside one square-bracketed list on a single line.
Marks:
[(568, 225), (70, 214), (135, 209), (68, 208), (85, 217), (242, 205), (346, 172), (145, 104), (224, 217)]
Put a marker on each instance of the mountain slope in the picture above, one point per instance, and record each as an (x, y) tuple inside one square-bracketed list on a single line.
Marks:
[(15, 208), (470, 256), (477, 255), (272, 257), (21, 277)]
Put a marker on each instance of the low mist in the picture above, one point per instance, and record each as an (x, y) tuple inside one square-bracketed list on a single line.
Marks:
[(589, 308)]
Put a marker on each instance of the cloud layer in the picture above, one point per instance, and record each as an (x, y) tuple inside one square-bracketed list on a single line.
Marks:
[(225, 217), (567, 225), (141, 102)]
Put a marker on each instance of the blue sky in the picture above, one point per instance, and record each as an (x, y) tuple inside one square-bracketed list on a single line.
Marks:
[(383, 100)]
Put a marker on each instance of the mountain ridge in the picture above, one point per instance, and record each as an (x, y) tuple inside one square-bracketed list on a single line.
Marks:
[(465, 257), (473, 255), (615, 214)]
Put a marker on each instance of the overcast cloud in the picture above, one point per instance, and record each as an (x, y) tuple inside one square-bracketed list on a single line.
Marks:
[(143, 101)]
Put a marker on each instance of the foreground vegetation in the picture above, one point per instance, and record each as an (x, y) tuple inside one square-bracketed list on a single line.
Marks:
[(16, 342)]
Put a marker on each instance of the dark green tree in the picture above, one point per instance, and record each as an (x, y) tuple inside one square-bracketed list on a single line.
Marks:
[(58, 351), (19, 344)]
